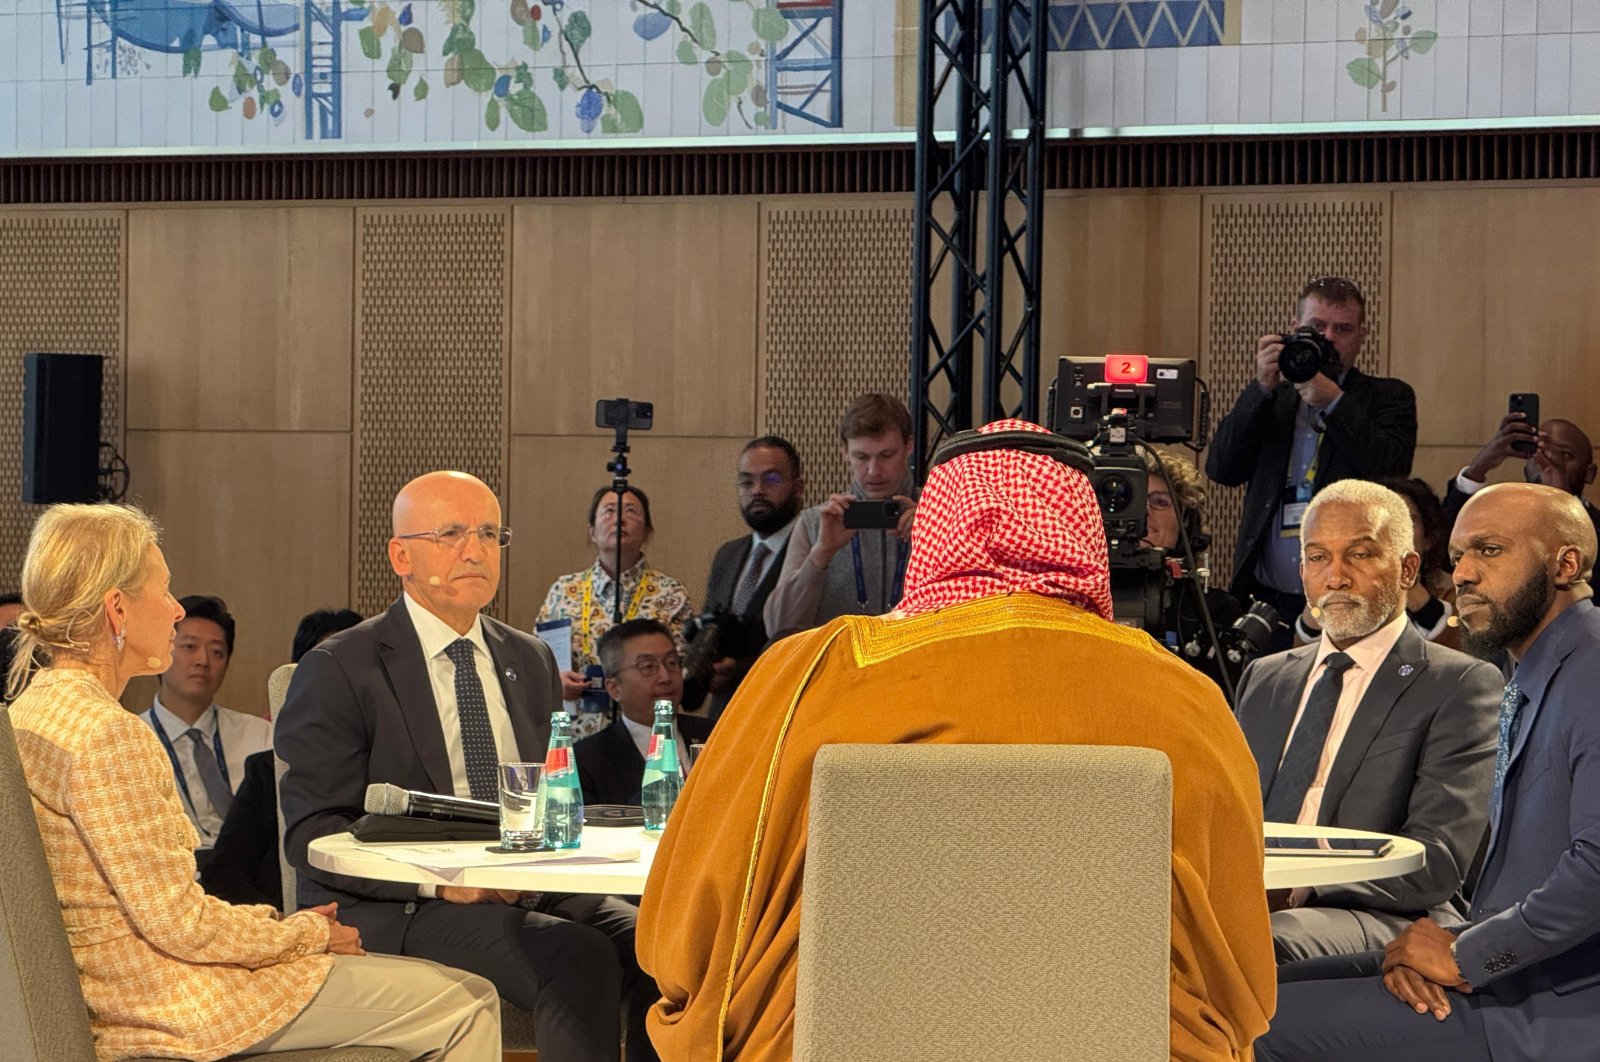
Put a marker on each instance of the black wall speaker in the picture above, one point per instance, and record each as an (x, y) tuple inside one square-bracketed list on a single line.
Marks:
[(61, 428)]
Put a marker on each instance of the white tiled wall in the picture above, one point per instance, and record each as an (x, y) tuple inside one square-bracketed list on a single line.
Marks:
[(1495, 59)]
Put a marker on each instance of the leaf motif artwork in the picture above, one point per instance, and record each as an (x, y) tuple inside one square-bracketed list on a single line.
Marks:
[(1387, 40)]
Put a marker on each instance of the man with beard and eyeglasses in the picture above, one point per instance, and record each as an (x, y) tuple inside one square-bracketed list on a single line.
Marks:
[(1371, 727), (746, 569), (1519, 978)]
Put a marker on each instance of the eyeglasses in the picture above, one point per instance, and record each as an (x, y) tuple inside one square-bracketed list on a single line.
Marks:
[(455, 536), (650, 667), (1159, 502), (766, 479), (627, 510)]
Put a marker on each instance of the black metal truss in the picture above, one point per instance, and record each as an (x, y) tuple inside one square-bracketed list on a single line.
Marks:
[(980, 129)]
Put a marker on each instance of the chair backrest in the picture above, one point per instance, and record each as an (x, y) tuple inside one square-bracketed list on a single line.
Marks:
[(41, 1006), (986, 901), (277, 690)]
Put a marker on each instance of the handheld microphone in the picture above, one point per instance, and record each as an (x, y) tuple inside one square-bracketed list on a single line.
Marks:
[(385, 799)]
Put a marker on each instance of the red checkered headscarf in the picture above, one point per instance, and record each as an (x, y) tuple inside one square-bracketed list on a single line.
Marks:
[(1006, 522)]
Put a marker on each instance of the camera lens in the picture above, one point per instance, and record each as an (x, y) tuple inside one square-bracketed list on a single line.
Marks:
[(1300, 359), (1115, 492)]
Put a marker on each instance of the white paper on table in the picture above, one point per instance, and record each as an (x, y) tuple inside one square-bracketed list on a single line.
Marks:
[(462, 855)]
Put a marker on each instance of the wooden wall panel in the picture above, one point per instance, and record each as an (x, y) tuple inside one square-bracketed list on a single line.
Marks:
[(61, 289), (431, 341), (1259, 250), (835, 321), (654, 301), (692, 504), (240, 319), (1122, 274), (259, 519), (1496, 292)]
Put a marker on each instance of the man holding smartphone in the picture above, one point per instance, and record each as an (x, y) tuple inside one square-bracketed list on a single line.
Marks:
[(1558, 454), (847, 556)]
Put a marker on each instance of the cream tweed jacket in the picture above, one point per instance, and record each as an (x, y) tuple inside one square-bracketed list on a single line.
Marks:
[(167, 971)]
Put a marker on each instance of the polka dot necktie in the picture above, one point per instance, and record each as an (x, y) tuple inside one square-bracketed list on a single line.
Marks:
[(472, 712)]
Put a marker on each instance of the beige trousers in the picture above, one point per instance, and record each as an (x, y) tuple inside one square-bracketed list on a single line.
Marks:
[(427, 1012)]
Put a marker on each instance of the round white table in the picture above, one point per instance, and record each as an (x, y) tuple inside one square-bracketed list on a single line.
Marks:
[(343, 854), (1293, 872)]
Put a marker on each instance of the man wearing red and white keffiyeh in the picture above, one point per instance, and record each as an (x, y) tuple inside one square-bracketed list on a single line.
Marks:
[(1005, 522)]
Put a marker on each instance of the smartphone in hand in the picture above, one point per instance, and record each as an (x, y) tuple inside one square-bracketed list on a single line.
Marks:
[(1526, 403)]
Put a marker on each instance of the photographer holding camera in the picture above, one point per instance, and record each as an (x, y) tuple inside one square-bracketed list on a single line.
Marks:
[(726, 638), (1174, 495), (1308, 419), (847, 556)]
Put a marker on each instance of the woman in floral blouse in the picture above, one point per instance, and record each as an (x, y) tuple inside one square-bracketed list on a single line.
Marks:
[(588, 597)]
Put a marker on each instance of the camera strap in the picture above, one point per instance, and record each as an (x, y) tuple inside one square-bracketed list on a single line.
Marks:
[(902, 551)]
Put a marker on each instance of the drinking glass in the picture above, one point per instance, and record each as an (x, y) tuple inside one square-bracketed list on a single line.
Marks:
[(521, 811)]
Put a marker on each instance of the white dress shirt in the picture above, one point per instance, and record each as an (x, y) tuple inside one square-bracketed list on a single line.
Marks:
[(774, 543), (436, 635), (1368, 654), (242, 735)]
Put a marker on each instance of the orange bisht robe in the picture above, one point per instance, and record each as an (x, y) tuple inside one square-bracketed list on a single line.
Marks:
[(720, 922)]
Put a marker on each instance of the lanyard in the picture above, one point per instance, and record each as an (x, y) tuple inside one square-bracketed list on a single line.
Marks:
[(588, 602), (172, 754), (900, 554), (1308, 480)]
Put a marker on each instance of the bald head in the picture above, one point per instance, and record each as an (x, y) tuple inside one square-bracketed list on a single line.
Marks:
[(1523, 553), (455, 575), (435, 499)]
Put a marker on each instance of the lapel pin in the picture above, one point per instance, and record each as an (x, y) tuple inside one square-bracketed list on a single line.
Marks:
[(511, 674), (1406, 669)]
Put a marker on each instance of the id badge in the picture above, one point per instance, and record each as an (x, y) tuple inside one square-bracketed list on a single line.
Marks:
[(1294, 514)]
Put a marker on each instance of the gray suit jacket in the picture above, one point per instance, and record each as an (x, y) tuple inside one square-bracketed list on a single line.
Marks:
[(360, 710), (1417, 761), (1533, 950)]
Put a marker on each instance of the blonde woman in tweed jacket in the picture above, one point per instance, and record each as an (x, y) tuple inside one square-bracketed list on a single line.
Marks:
[(167, 970)]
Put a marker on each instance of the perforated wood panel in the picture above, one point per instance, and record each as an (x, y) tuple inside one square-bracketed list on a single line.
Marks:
[(1259, 251), (836, 321), (431, 346), (61, 289)]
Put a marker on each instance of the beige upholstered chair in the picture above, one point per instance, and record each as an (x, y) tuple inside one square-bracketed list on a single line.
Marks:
[(986, 901), (41, 1006), (277, 690)]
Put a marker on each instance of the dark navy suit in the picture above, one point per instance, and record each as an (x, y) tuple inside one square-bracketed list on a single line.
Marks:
[(1532, 948)]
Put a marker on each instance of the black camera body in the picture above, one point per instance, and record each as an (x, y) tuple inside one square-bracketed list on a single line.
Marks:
[(718, 633), (1307, 352)]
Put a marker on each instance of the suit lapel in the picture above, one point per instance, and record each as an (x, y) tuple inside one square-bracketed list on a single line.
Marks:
[(517, 689), (1268, 735), (1396, 673), (400, 655)]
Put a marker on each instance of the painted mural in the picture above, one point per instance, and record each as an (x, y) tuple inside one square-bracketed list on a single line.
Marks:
[(230, 75)]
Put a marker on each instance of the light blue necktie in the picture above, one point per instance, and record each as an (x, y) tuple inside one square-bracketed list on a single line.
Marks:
[(1510, 715)]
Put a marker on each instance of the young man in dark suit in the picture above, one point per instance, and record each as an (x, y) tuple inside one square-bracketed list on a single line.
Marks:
[(1371, 727), (1290, 440), (432, 696), (642, 667), (746, 569), (1519, 978)]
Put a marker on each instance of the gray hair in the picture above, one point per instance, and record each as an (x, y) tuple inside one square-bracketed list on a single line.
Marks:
[(1389, 510)]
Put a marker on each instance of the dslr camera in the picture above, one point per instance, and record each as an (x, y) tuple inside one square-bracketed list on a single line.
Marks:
[(1307, 352)]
